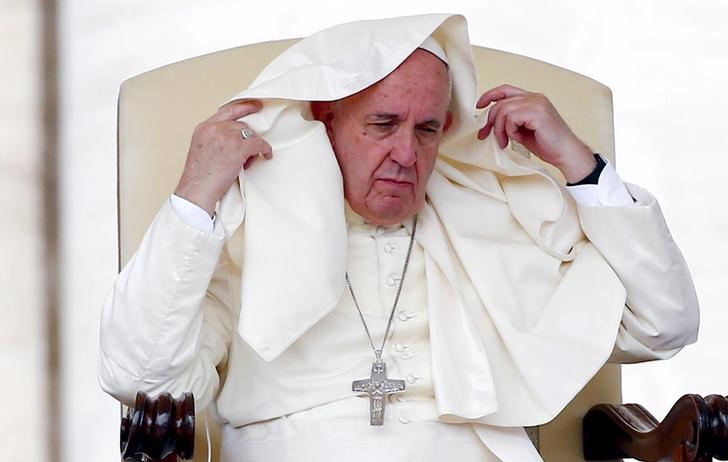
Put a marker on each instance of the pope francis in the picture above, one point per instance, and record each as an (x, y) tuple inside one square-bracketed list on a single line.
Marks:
[(357, 265)]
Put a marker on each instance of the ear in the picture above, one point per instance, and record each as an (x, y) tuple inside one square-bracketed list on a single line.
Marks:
[(448, 122), (324, 113)]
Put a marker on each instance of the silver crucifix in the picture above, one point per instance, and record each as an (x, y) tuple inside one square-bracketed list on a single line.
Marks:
[(378, 386)]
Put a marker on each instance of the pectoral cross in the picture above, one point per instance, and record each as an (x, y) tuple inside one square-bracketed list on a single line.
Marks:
[(378, 387)]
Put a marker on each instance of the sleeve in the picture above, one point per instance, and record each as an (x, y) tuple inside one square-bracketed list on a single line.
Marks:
[(191, 213), (661, 313), (608, 191), (166, 325)]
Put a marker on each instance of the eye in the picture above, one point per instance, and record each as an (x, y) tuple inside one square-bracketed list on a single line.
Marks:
[(382, 128), (427, 132)]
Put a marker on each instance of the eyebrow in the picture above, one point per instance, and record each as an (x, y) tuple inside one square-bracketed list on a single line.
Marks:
[(434, 123)]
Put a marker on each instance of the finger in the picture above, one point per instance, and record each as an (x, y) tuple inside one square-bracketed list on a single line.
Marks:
[(246, 133), (498, 93), (513, 130), (484, 132), (496, 108), (259, 147), (518, 114), (492, 112), (499, 130), (266, 150), (501, 92), (236, 109), (524, 115), (499, 109), (249, 161), (251, 145), (236, 129), (265, 154)]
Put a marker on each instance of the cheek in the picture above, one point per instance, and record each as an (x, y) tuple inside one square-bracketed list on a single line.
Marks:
[(354, 167), (361, 157), (425, 166)]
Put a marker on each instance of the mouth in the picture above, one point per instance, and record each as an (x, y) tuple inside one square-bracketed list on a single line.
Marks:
[(394, 182)]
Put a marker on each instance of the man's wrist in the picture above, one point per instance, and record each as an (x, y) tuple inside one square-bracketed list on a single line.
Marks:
[(593, 177), (576, 161), (199, 198)]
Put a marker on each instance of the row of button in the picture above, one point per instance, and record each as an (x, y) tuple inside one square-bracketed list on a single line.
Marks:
[(398, 399), (403, 351), (404, 419)]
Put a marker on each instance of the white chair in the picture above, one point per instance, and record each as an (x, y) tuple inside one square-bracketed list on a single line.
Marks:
[(159, 109)]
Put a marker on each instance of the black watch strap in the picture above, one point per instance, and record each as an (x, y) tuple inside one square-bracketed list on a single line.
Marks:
[(593, 177)]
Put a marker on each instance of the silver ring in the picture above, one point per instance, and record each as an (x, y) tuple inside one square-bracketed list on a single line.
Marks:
[(247, 133)]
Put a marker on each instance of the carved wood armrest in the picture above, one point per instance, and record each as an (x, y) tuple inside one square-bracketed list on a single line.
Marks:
[(159, 429), (695, 430)]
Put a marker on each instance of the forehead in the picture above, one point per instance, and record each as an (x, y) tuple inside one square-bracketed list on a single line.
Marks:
[(422, 79)]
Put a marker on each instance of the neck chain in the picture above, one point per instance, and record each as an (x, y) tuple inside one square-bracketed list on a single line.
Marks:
[(378, 386)]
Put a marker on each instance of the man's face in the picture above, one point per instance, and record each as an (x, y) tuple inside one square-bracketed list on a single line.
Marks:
[(386, 138)]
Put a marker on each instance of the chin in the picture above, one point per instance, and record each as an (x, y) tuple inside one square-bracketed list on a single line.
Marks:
[(379, 221), (387, 214)]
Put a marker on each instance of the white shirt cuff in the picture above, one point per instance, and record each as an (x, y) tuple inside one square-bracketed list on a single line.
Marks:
[(609, 191), (192, 214)]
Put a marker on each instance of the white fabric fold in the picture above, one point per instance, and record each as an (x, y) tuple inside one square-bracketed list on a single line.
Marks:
[(493, 344), (301, 188)]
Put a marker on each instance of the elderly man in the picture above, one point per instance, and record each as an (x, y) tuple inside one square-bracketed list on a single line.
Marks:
[(403, 285)]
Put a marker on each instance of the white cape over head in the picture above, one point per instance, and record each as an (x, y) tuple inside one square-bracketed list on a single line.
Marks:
[(517, 324)]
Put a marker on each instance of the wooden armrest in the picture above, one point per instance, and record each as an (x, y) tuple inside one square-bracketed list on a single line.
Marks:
[(695, 430), (159, 429)]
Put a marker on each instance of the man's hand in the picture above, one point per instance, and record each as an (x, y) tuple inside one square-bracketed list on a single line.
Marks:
[(217, 154), (531, 120)]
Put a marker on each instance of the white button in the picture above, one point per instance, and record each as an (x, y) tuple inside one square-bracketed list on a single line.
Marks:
[(412, 379), (393, 280), (399, 348), (389, 247), (406, 356), (404, 420), (404, 316)]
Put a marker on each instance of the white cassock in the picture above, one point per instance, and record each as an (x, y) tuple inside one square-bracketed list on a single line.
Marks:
[(516, 296)]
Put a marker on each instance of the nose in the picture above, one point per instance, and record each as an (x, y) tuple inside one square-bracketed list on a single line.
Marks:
[(403, 150)]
